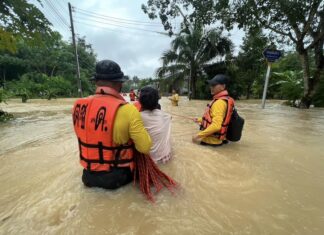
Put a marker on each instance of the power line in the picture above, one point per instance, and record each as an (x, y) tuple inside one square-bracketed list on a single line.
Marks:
[(56, 12), (117, 31), (118, 21), (101, 27), (54, 18), (116, 18), (86, 66), (62, 7), (118, 25)]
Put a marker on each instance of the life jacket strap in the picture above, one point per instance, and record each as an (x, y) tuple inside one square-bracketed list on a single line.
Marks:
[(104, 147), (101, 159), (111, 162)]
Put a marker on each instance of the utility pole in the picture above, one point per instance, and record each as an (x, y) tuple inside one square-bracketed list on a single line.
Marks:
[(75, 51)]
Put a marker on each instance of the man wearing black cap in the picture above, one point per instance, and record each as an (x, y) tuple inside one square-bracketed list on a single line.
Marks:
[(108, 131), (214, 123)]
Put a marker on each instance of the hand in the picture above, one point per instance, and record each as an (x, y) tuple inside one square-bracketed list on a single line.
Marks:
[(196, 139), (195, 120)]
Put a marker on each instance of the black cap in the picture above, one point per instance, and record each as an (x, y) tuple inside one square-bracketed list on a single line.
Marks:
[(218, 79), (108, 70)]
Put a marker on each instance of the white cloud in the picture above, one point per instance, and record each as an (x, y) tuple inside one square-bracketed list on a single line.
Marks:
[(137, 52)]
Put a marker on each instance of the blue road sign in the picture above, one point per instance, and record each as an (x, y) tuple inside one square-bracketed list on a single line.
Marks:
[(272, 55)]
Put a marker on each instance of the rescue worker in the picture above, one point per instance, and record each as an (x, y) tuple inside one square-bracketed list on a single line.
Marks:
[(132, 95), (174, 98), (214, 123), (108, 129)]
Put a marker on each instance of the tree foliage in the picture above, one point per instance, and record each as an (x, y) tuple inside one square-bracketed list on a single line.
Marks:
[(191, 51), (295, 22), (20, 19), (50, 64), (250, 60), (291, 85)]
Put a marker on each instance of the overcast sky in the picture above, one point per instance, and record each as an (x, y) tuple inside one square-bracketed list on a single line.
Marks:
[(137, 52)]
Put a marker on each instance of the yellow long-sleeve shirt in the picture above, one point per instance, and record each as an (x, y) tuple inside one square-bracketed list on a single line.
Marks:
[(174, 99), (217, 112), (129, 125)]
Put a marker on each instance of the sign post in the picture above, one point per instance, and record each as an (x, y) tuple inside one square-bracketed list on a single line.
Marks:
[(271, 56)]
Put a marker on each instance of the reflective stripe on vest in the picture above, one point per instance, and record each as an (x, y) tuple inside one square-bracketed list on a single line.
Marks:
[(207, 119), (93, 119)]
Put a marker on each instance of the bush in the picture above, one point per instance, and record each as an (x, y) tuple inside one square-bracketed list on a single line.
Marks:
[(33, 85), (3, 95), (290, 85), (4, 116)]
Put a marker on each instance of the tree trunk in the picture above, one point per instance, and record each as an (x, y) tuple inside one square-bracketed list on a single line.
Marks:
[(306, 100), (311, 84), (193, 85), (248, 91), (319, 72), (193, 76), (4, 78), (52, 73)]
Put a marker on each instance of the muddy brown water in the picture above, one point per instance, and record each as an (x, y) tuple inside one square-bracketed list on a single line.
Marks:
[(272, 182)]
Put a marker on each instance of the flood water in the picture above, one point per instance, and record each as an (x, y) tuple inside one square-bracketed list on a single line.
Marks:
[(272, 182)]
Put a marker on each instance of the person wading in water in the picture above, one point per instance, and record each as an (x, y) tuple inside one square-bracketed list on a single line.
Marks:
[(214, 123), (132, 95), (174, 98), (109, 130), (157, 123)]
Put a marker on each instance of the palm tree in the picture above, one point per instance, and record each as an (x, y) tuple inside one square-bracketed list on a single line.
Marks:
[(190, 51)]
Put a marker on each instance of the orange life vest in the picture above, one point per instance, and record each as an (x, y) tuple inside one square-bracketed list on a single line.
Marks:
[(93, 119), (132, 96), (207, 118), (138, 105)]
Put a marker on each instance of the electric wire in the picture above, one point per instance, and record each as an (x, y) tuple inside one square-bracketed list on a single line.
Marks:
[(60, 17), (118, 25), (115, 18)]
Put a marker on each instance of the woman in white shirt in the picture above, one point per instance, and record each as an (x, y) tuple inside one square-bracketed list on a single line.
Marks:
[(157, 124)]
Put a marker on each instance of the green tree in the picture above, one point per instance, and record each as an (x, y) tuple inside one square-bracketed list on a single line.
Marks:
[(299, 23), (53, 58), (198, 11), (295, 22), (191, 51), (20, 19), (250, 60)]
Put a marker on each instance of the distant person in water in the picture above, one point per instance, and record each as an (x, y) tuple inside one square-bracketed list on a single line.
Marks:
[(132, 95), (174, 98), (157, 123), (214, 123)]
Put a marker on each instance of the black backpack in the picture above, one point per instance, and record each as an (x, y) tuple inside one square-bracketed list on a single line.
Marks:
[(235, 127)]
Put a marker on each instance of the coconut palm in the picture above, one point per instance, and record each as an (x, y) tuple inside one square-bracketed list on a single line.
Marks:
[(190, 51)]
